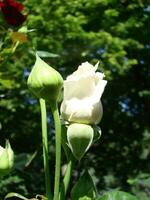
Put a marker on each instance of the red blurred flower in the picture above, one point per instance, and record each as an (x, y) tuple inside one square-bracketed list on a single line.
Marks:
[(12, 12)]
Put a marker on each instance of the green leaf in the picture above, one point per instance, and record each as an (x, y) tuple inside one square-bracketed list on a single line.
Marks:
[(84, 189), (24, 29), (45, 54), (85, 198), (13, 195), (8, 84), (64, 141), (117, 195)]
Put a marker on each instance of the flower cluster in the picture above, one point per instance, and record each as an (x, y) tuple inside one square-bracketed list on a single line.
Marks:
[(11, 11), (81, 107)]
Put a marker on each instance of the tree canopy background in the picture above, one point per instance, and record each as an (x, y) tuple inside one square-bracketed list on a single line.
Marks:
[(67, 33)]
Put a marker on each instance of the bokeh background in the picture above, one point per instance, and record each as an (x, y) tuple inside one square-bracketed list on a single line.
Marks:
[(66, 33)]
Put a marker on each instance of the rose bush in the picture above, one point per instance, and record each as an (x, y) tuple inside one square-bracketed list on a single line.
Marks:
[(82, 93)]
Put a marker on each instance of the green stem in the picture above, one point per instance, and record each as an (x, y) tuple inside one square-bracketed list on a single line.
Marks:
[(15, 47), (55, 112), (66, 180), (45, 148)]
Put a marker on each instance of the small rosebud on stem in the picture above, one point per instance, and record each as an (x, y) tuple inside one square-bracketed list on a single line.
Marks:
[(44, 81), (6, 159)]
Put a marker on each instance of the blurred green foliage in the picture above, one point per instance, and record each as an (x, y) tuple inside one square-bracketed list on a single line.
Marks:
[(68, 32)]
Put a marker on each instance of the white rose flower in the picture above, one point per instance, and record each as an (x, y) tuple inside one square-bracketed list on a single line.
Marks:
[(82, 92)]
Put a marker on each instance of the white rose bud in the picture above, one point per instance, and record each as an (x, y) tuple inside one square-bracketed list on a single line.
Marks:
[(80, 137), (82, 92)]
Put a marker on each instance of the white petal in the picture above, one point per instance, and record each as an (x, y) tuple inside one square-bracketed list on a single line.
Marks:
[(82, 111), (84, 69), (99, 90), (100, 75), (80, 89)]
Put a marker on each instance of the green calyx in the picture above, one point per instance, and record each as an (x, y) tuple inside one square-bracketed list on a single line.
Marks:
[(44, 81), (80, 137), (6, 159)]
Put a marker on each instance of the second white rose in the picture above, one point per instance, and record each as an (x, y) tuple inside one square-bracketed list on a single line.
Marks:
[(82, 93)]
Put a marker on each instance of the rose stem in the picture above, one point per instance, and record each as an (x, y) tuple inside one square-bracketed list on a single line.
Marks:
[(66, 180), (45, 148), (55, 113)]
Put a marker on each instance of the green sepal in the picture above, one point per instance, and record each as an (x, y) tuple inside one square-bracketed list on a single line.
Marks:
[(84, 189), (117, 195), (80, 138), (64, 141)]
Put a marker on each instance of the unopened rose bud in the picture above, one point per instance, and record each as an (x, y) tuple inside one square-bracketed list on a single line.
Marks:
[(6, 159), (80, 137), (44, 81)]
